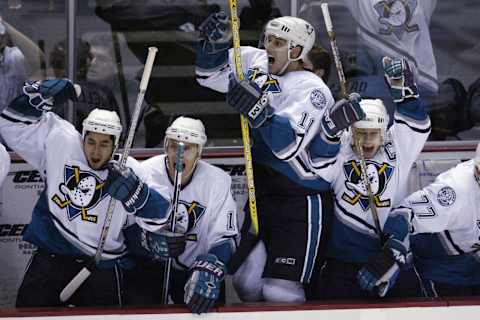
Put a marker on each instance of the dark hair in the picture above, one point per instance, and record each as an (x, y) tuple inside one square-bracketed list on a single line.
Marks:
[(320, 60), (58, 58)]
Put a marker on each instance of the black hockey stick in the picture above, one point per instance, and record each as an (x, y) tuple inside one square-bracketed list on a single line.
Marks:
[(80, 278), (177, 185)]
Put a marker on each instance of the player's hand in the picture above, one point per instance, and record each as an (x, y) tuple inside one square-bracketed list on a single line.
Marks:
[(124, 185), (380, 273), (399, 77), (216, 28), (342, 115), (40, 96), (248, 99), (213, 43), (163, 244), (203, 286)]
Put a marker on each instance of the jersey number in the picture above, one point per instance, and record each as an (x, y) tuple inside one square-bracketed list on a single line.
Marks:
[(305, 122), (427, 210)]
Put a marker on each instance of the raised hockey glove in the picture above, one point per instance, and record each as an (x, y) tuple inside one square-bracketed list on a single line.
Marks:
[(379, 274), (399, 77), (203, 286), (214, 41), (163, 244), (343, 114), (124, 185), (215, 27), (248, 99), (40, 96)]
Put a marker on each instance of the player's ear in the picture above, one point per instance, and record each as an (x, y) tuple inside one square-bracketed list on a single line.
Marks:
[(295, 52)]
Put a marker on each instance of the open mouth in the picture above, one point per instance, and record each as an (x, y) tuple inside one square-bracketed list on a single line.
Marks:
[(271, 60), (368, 150)]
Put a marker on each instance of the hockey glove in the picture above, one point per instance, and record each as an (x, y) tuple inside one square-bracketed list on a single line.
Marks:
[(163, 244), (400, 79), (248, 99), (203, 286), (214, 41), (379, 274), (124, 185), (343, 114), (41, 96)]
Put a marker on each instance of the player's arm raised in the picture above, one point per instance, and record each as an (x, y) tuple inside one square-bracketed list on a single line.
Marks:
[(23, 125)]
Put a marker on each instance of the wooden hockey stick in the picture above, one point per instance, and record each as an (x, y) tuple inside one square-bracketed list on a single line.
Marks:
[(177, 185), (247, 152), (80, 278), (343, 89)]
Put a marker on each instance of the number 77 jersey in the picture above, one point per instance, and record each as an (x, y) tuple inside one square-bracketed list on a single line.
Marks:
[(444, 221)]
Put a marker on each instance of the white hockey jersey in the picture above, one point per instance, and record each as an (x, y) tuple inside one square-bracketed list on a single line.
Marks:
[(207, 202), (445, 227), (69, 219), (299, 96), (398, 28), (353, 237)]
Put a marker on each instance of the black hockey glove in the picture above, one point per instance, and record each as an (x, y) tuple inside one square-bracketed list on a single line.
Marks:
[(248, 99), (400, 79), (380, 273), (40, 96), (124, 185), (163, 244), (203, 286), (214, 41), (343, 114)]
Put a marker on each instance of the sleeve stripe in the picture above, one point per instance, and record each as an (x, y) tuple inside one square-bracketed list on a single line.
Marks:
[(286, 155), (6, 117), (419, 130)]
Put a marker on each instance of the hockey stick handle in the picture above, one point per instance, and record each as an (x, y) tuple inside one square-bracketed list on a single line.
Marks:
[(335, 52), (366, 182), (247, 152), (177, 185), (343, 88), (147, 71), (77, 281)]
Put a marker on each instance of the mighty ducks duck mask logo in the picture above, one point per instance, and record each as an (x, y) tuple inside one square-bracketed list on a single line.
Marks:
[(265, 81), (81, 191), (189, 213), (378, 175)]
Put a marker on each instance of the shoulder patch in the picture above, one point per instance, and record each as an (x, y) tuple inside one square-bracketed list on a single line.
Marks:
[(446, 196), (318, 99)]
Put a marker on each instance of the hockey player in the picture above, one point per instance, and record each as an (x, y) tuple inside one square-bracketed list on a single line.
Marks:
[(206, 217), (354, 239), (68, 218), (443, 220), (284, 105)]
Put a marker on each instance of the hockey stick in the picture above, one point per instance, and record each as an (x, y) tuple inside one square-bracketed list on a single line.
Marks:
[(343, 89), (247, 152), (177, 185), (80, 278)]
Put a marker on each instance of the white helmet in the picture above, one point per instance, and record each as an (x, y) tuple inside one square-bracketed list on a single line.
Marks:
[(376, 116), (296, 31), (103, 121), (187, 130)]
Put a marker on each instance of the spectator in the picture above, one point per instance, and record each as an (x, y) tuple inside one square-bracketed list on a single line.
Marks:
[(12, 69), (94, 95)]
